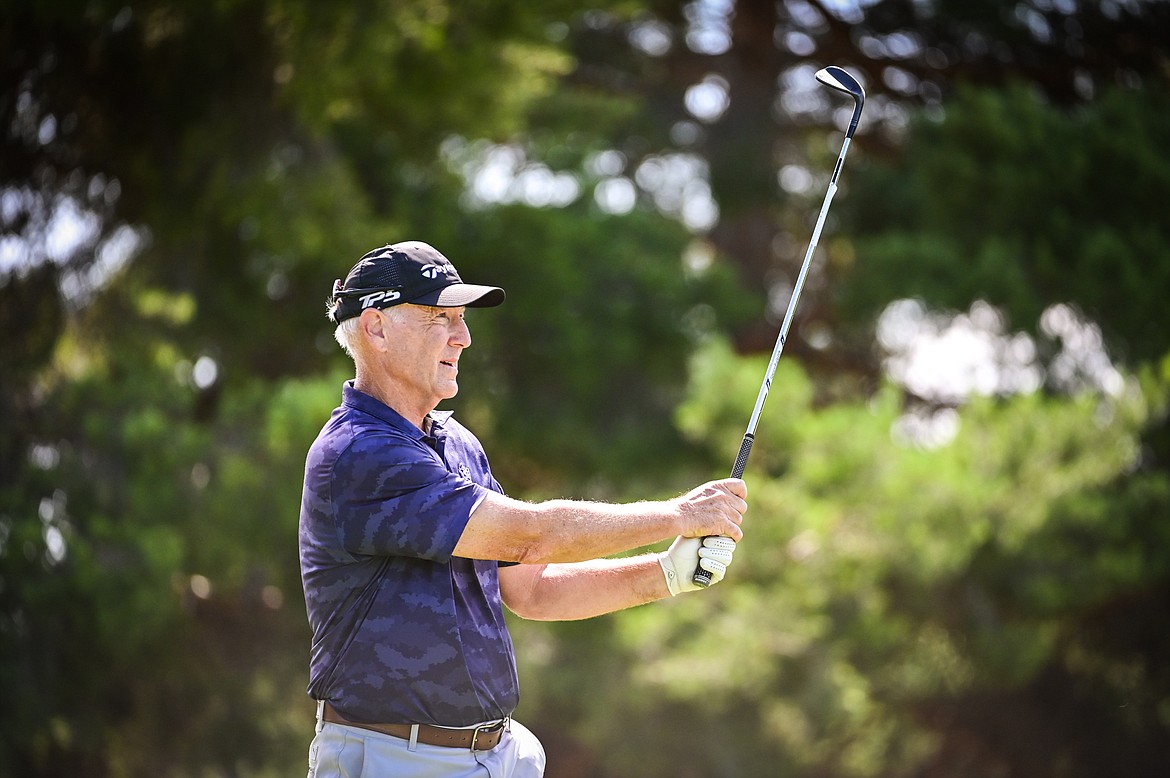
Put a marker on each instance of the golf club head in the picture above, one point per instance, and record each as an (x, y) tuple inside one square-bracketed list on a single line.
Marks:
[(837, 78)]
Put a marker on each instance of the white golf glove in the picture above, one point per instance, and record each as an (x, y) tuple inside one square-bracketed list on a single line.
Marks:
[(685, 554)]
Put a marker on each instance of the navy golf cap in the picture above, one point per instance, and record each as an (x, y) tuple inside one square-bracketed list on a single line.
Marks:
[(410, 272)]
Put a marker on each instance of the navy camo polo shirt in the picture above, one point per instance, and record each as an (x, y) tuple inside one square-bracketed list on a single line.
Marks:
[(403, 632)]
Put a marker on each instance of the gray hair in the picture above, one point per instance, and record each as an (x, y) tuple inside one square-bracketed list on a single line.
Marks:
[(347, 332)]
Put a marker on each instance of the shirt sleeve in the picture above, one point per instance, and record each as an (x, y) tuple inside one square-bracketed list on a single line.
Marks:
[(394, 497)]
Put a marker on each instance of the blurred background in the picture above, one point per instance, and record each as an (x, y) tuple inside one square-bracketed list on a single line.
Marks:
[(958, 556)]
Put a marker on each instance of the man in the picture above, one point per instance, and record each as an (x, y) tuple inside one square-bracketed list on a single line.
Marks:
[(409, 548)]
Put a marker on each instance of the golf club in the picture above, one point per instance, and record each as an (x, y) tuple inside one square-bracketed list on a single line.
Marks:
[(834, 78)]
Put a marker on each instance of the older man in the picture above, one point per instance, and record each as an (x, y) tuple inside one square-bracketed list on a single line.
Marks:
[(410, 549)]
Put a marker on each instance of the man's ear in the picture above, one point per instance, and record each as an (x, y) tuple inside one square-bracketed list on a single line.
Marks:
[(373, 329)]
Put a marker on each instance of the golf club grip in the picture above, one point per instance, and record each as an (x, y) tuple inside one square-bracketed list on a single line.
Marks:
[(745, 450), (702, 577)]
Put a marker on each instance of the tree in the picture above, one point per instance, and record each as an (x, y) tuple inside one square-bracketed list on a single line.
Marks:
[(1024, 204), (985, 601), (733, 84)]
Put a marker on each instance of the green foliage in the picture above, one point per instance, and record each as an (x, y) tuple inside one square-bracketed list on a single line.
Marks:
[(876, 579), (174, 572), (399, 68), (1023, 204)]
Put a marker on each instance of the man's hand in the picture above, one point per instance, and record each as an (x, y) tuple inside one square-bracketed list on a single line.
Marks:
[(715, 508), (685, 554)]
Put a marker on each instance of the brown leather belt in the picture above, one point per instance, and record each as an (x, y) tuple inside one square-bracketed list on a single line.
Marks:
[(482, 738)]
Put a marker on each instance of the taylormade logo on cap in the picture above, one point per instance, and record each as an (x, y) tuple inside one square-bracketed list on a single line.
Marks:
[(410, 272)]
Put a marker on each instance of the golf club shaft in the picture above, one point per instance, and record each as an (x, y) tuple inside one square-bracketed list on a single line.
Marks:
[(702, 577)]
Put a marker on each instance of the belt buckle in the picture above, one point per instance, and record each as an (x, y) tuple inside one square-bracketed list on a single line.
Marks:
[(489, 728)]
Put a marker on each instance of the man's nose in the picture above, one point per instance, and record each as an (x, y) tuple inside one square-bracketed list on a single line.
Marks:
[(462, 334)]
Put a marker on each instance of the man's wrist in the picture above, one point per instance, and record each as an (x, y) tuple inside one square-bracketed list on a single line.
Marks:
[(670, 576)]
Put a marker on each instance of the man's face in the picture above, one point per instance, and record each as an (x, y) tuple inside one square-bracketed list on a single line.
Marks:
[(424, 347)]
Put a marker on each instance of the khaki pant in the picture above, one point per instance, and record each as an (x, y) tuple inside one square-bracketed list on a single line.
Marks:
[(339, 751)]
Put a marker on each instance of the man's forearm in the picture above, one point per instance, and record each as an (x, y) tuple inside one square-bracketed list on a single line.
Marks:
[(562, 530), (582, 590), (577, 531)]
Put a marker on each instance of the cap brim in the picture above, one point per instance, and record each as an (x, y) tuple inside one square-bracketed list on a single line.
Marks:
[(460, 295)]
